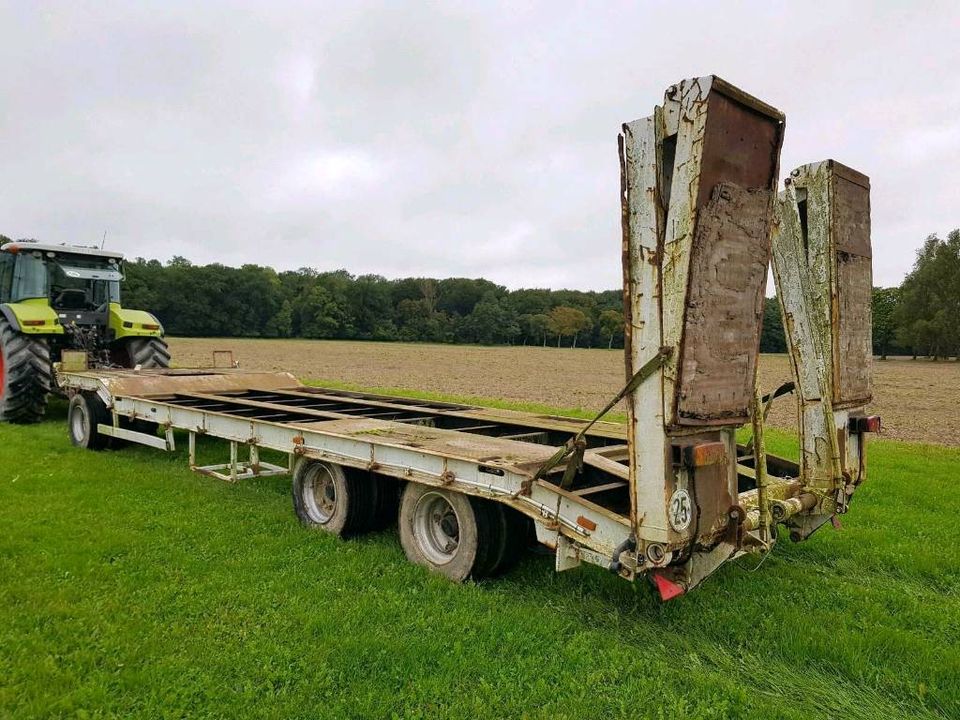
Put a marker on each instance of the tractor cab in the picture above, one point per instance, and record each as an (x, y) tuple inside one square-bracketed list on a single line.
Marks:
[(77, 283), (62, 297)]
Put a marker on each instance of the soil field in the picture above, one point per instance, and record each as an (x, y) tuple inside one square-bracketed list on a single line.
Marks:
[(919, 400)]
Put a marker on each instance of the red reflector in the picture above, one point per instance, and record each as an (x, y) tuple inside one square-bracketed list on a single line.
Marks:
[(865, 424), (586, 523), (32, 323), (151, 327), (667, 588)]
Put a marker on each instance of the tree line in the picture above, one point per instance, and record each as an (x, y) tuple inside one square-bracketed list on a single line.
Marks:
[(257, 301), (921, 317)]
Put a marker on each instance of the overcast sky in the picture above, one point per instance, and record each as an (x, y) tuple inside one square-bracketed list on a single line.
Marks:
[(470, 139)]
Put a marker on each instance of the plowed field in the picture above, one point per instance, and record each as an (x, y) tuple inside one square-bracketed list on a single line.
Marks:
[(919, 400)]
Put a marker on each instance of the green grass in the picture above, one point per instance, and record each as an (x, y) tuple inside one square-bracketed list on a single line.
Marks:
[(130, 587)]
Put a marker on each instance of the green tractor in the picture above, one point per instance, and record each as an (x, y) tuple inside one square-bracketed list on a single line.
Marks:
[(60, 297)]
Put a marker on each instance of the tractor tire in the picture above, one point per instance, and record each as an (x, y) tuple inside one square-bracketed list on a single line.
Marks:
[(147, 352), (26, 376)]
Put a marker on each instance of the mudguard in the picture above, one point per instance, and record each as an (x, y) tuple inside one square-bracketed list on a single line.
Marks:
[(32, 317), (133, 323)]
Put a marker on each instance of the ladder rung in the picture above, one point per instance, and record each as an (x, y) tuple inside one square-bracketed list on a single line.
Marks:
[(599, 488)]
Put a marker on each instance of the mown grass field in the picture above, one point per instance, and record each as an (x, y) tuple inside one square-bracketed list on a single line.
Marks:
[(130, 587)]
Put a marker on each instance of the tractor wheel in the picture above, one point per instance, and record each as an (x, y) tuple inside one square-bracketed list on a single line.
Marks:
[(26, 376), (147, 352)]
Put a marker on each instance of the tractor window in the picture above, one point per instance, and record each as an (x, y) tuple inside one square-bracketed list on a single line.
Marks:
[(29, 277), (78, 283), (6, 275)]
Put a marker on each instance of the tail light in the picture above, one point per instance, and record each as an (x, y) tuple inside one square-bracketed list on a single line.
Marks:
[(870, 424), (711, 453)]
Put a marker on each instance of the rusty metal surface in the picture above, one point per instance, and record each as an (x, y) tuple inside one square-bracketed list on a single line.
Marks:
[(853, 286), (151, 383), (697, 183), (449, 443), (740, 146), (822, 268), (714, 493), (731, 251), (729, 255), (853, 341), (851, 210)]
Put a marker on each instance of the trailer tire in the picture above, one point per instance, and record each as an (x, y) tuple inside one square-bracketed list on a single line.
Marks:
[(85, 412), (449, 533), (388, 502), (26, 376), (328, 498), (517, 528)]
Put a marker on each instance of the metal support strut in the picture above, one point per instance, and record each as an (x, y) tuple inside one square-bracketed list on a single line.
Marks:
[(235, 469)]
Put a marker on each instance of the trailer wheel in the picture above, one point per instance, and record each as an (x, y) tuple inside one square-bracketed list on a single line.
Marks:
[(26, 377), (449, 533), (517, 529), (326, 497), (388, 502), (85, 412)]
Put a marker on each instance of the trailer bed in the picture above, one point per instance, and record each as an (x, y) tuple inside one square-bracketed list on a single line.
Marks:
[(477, 451)]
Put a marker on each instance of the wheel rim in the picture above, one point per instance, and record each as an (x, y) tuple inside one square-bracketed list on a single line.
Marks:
[(78, 424), (436, 527), (320, 494)]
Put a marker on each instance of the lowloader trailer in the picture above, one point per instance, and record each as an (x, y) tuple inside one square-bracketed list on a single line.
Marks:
[(671, 496)]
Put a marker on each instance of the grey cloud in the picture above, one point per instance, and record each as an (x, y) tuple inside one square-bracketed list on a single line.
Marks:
[(443, 139)]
